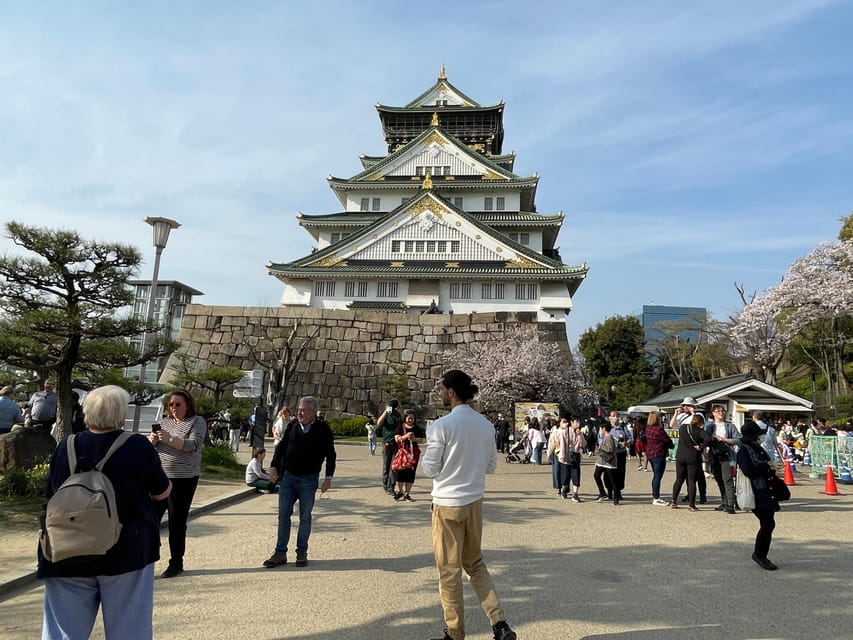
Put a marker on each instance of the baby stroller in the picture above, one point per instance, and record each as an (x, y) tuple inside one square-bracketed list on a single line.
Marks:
[(518, 452)]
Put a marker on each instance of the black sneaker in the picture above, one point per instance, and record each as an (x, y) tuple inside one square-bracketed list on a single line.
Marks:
[(172, 571), (398, 495), (301, 559), (764, 563), (503, 632), (408, 498)]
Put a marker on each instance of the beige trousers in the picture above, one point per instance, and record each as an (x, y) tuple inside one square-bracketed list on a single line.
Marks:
[(456, 536)]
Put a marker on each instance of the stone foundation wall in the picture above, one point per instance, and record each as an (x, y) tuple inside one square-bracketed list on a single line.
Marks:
[(352, 352)]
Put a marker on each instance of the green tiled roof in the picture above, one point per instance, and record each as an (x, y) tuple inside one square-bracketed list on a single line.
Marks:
[(697, 390), (422, 136), (383, 305)]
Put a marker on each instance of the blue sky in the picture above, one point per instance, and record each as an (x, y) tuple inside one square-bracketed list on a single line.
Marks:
[(689, 145)]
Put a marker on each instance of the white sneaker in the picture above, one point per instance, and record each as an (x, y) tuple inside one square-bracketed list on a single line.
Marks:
[(660, 503)]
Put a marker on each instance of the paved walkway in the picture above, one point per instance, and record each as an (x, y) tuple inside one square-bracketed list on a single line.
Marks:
[(563, 570)]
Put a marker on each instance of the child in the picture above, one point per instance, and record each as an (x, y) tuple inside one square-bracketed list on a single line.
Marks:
[(256, 475), (371, 435)]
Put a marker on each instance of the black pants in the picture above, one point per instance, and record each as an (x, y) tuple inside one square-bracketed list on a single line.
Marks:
[(767, 522), (619, 472), (689, 472), (388, 476), (178, 505), (608, 482)]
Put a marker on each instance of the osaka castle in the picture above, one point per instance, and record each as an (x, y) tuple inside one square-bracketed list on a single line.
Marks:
[(439, 224)]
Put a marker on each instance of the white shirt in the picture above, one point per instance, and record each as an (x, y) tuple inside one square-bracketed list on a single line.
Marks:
[(460, 452)]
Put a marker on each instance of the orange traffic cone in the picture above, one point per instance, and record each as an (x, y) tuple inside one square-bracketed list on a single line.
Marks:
[(829, 488), (789, 473)]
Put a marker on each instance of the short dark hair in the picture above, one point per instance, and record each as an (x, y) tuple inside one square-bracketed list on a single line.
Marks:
[(461, 384), (188, 399)]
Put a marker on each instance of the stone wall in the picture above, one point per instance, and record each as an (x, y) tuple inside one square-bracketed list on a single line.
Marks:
[(352, 352)]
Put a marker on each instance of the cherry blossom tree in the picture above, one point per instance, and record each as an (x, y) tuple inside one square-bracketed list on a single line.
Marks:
[(521, 365), (816, 288)]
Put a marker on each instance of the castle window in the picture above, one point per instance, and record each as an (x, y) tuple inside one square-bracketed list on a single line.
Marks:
[(419, 171), (492, 291), (430, 246), (419, 246), (526, 291), (441, 103), (355, 290), (457, 202), (376, 203), (365, 204), (460, 290), (395, 246), (410, 246), (524, 238), (513, 237), (454, 246), (500, 203), (442, 246), (386, 290), (335, 237), (324, 288), (488, 204)]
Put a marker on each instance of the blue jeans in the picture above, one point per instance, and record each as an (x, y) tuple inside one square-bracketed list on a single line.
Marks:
[(658, 467), (537, 452), (293, 488), (127, 603)]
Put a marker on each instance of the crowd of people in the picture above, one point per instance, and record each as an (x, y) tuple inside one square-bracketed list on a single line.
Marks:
[(159, 473)]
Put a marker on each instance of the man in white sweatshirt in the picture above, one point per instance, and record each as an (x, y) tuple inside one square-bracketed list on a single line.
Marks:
[(460, 452)]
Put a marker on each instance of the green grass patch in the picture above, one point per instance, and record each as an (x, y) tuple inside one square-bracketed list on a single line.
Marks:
[(20, 510)]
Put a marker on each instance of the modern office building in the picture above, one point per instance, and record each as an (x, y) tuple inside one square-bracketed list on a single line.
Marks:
[(687, 321), (170, 303)]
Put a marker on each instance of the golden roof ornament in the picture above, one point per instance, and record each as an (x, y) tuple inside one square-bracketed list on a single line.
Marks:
[(441, 74), (434, 122), (427, 185)]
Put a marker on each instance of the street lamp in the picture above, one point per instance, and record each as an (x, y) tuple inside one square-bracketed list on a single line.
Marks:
[(161, 227)]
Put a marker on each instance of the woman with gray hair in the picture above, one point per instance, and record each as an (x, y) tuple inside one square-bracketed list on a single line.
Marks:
[(74, 589)]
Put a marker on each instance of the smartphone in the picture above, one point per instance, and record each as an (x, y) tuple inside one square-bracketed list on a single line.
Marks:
[(389, 409), (155, 427)]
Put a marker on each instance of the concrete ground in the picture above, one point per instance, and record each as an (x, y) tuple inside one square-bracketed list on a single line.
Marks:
[(562, 570)]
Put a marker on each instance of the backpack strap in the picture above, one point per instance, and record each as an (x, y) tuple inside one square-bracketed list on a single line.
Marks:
[(72, 456), (123, 437)]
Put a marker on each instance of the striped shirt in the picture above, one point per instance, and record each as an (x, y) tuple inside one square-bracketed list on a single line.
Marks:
[(185, 463)]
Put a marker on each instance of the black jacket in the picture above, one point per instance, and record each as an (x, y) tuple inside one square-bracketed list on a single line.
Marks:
[(302, 454)]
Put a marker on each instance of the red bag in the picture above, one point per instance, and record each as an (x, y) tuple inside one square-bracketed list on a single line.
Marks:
[(403, 459)]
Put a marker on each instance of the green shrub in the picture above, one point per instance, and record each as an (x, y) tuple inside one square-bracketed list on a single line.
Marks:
[(28, 483), (348, 427), (219, 455)]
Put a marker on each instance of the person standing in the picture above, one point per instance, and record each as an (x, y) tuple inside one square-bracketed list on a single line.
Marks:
[(692, 440), (658, 444), (724, 437), (756, 465), (622, 438), (179, 442), (260, 421), (307, 442), (121, 582), (390, 419), (605, 466), (409, 434), (371, 435), (460, 452), (41, 409), (78, 424), (683, 415), (569, 459), (502, 433), (10, 412)]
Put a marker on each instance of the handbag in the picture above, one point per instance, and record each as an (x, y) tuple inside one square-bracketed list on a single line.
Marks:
[(573, 459), (403, 459), (744, 492), (719, 448), (778, 488)]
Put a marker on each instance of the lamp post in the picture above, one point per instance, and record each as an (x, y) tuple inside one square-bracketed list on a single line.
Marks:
[(161, 227)]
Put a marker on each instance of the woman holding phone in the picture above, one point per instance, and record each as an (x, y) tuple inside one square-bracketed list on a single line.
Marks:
[(179, 442)]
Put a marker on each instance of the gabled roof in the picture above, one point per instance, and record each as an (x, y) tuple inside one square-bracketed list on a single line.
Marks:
[(743, 388), (442, 90), (498, 254), (437, 136)]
